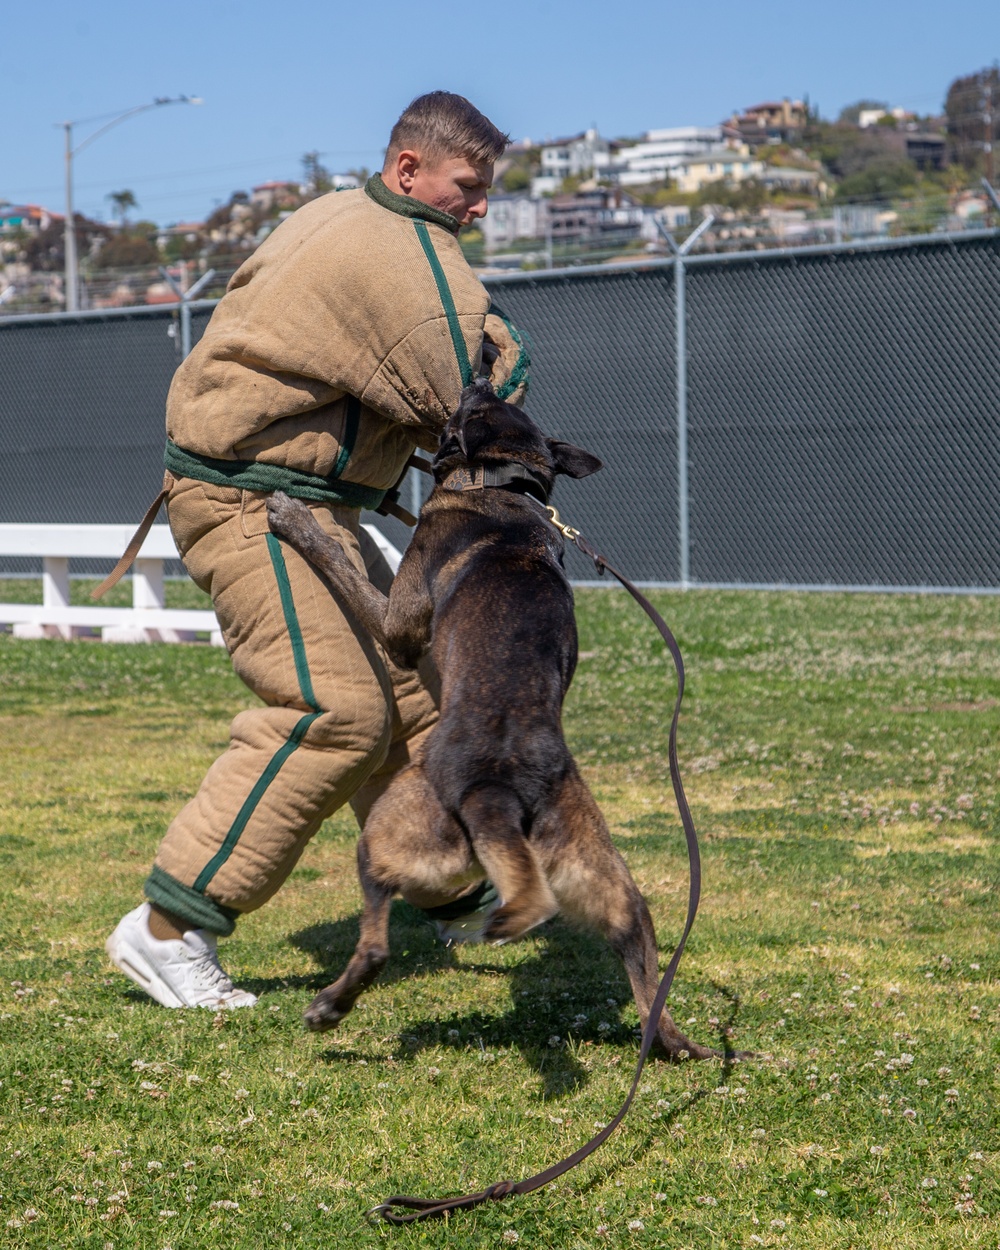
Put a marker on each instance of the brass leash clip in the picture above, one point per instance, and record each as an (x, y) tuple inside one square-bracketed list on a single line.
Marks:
[(567, 531)]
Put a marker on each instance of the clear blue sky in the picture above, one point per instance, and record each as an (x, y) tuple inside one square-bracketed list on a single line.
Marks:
[(280, 79)]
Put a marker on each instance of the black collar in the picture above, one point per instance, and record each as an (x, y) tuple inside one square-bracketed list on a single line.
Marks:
[(516, 476)]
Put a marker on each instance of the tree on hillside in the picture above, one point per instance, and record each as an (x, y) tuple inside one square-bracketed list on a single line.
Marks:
[(880, 179), (749, 196), (851, 115), (846, 150), (515, 171), (44, 250), (315, 175), (973, 111), (126, 251), (473, 244), (184, 246), (517, 178), (121, 202)]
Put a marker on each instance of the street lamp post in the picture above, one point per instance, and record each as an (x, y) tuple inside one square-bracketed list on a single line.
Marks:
[(72, 287)]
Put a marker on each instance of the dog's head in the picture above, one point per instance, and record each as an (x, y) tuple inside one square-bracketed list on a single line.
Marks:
[(486, 431)]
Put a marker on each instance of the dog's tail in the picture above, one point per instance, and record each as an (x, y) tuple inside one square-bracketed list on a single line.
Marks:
[(493, 818)]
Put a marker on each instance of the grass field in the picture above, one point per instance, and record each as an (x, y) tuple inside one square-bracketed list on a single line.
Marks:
[(841, 757)]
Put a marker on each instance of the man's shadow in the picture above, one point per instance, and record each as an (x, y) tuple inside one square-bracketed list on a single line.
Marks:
[(566, 995)]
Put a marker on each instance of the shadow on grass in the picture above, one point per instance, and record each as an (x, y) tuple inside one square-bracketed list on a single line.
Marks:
[(414, 945), (560, 1012), (636, 1152)]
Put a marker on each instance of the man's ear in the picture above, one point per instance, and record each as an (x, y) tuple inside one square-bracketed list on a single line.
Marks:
[(573, 460), (405, 170)]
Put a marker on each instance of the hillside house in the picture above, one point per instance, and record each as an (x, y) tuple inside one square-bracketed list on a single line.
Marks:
[(785, 178), (660, 153), (575, 157), (29, 218), (189, 231), (729, 164), (512, 217), (270, 195), (771, 122), (603, 217)]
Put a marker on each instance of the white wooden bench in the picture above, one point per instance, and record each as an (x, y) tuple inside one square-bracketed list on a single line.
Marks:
[(147, 620)]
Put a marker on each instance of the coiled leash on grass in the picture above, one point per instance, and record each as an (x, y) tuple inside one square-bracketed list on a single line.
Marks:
[(403, 1209)]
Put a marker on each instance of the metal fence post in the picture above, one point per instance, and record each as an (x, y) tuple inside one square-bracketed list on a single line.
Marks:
[(683, 507), (185, 329), (680, 332), (185, 298), (416, 492), (988, 188)]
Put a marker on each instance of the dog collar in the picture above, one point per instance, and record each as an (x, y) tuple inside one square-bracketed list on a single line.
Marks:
[(480, 477)]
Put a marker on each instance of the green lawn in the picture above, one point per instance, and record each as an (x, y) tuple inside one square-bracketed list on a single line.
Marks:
[(841, 757)]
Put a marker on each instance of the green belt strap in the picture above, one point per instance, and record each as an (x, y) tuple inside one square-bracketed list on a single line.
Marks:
[(253, 475)]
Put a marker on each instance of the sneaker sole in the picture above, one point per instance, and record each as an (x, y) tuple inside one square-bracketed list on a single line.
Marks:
[(468, 928), (129, 961)]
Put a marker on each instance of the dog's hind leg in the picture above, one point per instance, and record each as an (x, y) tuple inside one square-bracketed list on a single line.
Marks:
[(330, 1006), (492, 818), (594, 886), (409, 846)]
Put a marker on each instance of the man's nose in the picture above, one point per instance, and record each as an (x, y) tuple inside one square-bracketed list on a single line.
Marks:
[(479, 208)]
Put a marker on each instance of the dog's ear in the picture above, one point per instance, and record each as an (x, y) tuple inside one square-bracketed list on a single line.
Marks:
[(470, 432), (573, 460)]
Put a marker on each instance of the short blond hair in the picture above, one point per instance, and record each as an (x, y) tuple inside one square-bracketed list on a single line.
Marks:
[(441, 124)]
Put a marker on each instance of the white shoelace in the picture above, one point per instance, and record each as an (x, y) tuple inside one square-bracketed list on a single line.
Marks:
[(205, 967)]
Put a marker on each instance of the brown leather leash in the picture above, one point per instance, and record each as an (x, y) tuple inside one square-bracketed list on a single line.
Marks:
[(137, 539), (404, 1209)]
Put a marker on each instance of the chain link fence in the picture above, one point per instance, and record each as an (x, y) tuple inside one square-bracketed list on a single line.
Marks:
[(843, 412), (845, 418), (839, 410)]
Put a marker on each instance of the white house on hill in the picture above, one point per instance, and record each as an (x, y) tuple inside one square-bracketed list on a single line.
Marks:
[(661, 151), (575, 157)]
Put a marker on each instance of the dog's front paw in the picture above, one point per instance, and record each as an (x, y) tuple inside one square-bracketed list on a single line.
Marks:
[(290, 519), (326, 1011)]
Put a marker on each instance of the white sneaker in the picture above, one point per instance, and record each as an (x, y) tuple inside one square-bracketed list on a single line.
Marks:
[(178, 972), (468, 928), (465, 919)]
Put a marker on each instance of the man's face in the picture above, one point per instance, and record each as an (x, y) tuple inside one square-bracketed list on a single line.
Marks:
[(453, 184)]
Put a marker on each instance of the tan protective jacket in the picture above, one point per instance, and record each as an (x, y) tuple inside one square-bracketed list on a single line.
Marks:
[(360, 293)]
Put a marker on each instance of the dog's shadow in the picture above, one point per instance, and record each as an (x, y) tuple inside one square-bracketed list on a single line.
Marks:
[(413, 943), (566, 995)]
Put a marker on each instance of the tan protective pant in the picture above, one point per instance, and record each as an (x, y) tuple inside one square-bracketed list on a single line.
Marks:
[(339, 719)]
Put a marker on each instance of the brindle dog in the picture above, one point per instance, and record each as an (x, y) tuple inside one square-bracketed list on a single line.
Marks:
[(496, 793)]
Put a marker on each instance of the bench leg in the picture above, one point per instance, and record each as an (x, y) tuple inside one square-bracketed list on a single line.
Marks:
[(147, 592), (55, 594)]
